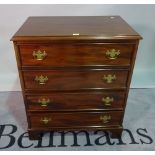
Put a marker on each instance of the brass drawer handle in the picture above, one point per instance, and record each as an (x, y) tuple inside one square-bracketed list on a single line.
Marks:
[(109, 78), (45, 120), (41, 79), (107, 100), (112, 53), (44, 102), (39, 55), (105, 118)]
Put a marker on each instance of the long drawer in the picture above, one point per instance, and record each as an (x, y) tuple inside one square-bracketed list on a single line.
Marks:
[(74, 79), (76, 101), (70, 119), (61, 55)]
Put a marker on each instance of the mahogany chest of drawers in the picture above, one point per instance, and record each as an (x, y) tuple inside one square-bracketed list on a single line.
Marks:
[(75, 72)]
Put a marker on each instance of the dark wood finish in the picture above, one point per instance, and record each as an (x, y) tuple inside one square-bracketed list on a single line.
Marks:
[(70, 54), (130, 75), (75, 79), (75, 66), (76, 101), (105, 27), (80, 119)]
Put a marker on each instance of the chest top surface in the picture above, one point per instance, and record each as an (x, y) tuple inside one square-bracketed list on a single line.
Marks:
[(97, 27)]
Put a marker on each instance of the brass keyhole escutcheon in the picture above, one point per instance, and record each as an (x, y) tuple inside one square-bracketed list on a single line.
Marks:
[(105, 118), (41, 79), (107, 100), (113, 53), (44, 102), (109, 78), (39, 55)]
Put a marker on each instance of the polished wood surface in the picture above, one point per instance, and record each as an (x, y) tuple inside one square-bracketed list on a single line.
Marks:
[(70, 54), (75, 79), (76, 101), (75, 84), (106, 27), (70, 119)]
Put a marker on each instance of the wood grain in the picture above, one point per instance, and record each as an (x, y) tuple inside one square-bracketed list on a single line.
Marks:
[(75, 79), (70, 119), (76, 101), (107, 27), (78, 54), (75, 66)]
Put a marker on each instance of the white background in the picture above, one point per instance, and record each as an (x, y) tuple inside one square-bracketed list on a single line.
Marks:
[(140, 17)]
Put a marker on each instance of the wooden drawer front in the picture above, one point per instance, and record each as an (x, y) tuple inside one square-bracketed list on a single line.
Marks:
[(60, 55), (76, 101), (75, 119), (74, 80)]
